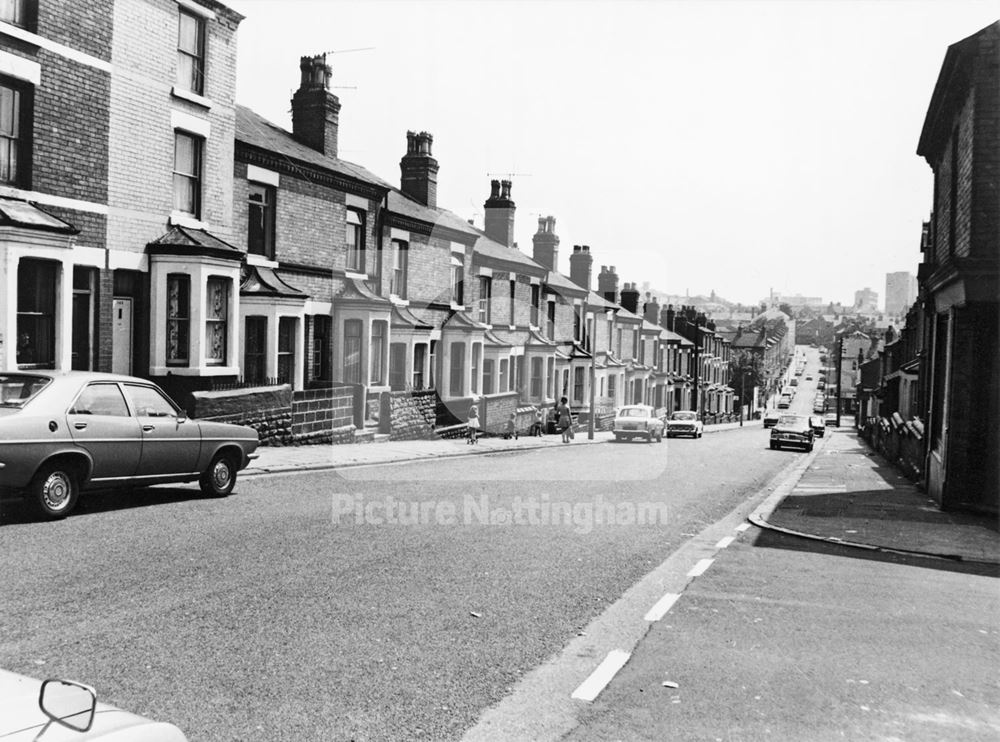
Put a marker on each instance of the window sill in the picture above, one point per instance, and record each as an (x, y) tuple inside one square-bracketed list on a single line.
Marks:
[(180, 219), (190, 97), (457, 307), (260, 260), (398, 301), (357, 276)]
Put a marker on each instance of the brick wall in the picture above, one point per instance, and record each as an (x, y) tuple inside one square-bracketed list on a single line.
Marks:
[(412, 414), (268, 410), (322, 415), (429, 270), (83, 26)]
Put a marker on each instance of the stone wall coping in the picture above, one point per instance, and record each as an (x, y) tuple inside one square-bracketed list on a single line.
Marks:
[(230, 393)]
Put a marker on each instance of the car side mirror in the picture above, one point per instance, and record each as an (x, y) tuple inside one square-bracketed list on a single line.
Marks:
[(181, 419), (68, 703)]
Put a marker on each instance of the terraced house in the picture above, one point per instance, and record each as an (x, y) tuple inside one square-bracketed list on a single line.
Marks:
[(258, 276)]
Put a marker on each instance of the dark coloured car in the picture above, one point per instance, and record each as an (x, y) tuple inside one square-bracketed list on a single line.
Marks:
[(65, 432), (818, 425), (793, 431), (771, 418)]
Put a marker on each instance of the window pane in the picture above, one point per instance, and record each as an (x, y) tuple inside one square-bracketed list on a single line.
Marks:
[(352, 351), (187, 173), (216, 313), (150, 402), (457, 368), (100, 399), (255, 349), (189, 34), (178, 313)]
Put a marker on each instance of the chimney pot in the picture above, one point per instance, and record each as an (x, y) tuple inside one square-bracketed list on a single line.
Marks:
[(418, 170), (315, 110)]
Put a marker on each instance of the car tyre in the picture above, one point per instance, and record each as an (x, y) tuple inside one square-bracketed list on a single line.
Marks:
[(219, 478), (54, 491), (774, 446), (809, 448), (618, 438)]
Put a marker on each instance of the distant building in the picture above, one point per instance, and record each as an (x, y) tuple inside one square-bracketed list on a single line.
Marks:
[(900, 292), (866, 301)]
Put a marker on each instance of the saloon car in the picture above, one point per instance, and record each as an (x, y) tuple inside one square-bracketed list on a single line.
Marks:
[(66, 711), (818, 425), (63, 432), (792, 430), (638, 421), (771, 418), (684, 422)]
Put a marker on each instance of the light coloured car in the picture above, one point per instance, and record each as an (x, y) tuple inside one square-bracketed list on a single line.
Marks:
[(684, 422), (62, 432), (58, 710), (638, 421)]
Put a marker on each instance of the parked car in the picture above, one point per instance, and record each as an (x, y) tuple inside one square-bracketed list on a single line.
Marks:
[(62, 432), (684, 422), (784, 402), (638, 421), (64, 710), (792, 430), (809, 377), (794, 382), (818, 425), (771, 418)]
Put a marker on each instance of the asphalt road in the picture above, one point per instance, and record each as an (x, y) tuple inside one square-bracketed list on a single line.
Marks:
[(295, 609)]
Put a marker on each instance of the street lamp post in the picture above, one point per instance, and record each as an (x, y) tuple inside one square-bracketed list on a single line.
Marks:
[(593, 377)]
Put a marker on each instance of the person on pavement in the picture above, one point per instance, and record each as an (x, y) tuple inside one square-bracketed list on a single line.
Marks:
[(473, 423), (565, 420)]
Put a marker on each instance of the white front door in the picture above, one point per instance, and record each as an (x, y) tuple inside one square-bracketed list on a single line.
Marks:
[(121, 355)]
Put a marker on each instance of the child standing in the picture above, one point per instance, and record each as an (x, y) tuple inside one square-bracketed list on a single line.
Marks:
[(473, 424), (536, 427), (511, 431)]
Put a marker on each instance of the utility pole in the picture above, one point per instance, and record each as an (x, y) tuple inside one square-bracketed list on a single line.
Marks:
[(593, 376), (840, 355)]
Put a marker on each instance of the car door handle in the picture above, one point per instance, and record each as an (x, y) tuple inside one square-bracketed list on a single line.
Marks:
[(80, 426), (147, 428)]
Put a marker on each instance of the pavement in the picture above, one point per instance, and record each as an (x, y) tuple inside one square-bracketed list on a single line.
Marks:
[(842, 492)]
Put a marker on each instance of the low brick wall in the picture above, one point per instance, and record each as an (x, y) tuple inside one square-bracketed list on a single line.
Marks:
[(411, 414), (268, 410), (322, 415)]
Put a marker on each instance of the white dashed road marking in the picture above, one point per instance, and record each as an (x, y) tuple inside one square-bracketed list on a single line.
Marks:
[(663, 605), (699, 569), (723, 543), (591, 687), (742, 527)]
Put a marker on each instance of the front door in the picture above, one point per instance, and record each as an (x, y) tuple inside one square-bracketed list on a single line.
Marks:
[(121, 354), (170, 442)]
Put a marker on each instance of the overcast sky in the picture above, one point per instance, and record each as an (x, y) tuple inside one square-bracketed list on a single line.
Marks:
[(735, 146)]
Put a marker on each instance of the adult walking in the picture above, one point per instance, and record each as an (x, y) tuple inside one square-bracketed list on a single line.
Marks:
[(564, 420)]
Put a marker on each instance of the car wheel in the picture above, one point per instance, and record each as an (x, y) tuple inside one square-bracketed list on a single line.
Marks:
[(54, 491), (618, 438), (219, 478), (809, 448), (774, 446)]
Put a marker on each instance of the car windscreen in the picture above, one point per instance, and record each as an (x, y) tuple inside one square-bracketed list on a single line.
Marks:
[(17, 389), (633, 412), (683, 416), (791, 420)]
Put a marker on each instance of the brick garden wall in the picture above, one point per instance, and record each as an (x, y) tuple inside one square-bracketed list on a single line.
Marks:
[(323, 415), (268, 410), (411, 414)]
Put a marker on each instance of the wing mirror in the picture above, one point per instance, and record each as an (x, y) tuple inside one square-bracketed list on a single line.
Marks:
[(68, 703)]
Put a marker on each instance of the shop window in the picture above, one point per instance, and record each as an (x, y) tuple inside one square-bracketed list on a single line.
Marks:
[(377, 351), (191, 52), (457, 378), (216, 321), (15, 132), (286, 350), (322, 327), (187, 173), (400, 259), (352, 351), (36, 313), (419, 360), (355, 241), (261, 211), (255, 350), (178, 319)]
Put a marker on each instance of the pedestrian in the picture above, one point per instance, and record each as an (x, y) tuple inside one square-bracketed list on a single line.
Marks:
[(511, 431), (536, 426), (565, 420), (473, 423)]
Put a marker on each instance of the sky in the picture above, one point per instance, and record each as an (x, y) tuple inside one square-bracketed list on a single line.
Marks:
[(742, 147)]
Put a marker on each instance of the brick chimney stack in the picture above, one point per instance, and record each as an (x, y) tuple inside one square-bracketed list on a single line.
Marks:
[(667, 315), (499, 219), (545, 243), (607, 284), (315, 110), (630, 298), (580, 266), (419, 169), (651, 309)]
